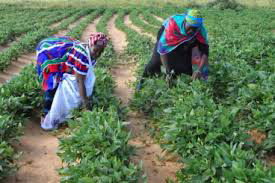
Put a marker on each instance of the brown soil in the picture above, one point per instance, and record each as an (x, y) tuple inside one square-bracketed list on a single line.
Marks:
[(118, 37), (158, 18), (16, 66), (54, 25), (38, 162), (129, 23), (64, 32), (3, 47), (256, 136), (91, 28), (271, 159), (156, 164), (145, 21), (7, 45)]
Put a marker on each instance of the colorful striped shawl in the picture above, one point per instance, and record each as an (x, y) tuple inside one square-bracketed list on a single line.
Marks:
[(175, 34), (59, 55)]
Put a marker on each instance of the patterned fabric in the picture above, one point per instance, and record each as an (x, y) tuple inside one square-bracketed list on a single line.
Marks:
[(196, 62), (98, 38), (175, 34), (194, 18), (59, 55)]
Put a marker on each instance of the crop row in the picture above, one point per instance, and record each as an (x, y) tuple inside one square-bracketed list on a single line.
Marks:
[(21, 95), (97, 148), (13, 27), (207, 124)]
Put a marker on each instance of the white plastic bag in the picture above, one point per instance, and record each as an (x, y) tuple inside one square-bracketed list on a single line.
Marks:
[(67, 98)]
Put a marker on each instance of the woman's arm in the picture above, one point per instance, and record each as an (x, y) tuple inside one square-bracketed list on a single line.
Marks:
[(164, 61), (203, 59), (168, 71), (82, 89)]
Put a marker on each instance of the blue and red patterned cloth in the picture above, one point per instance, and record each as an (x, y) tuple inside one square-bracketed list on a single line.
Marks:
[(59, 55), (175, 34)]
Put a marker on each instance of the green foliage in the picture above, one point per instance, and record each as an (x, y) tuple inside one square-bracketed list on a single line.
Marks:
[(205, 123), (193, 119), (97, 148), (226, 163), (76, 33), (134, 16), (18, 99), (225, 4), (29, 40), (7, 156)]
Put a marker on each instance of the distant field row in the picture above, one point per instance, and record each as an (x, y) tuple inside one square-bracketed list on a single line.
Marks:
[(123, 3)]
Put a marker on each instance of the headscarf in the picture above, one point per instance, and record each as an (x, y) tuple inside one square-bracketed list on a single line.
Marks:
[(174, 32), (194, 18), (98, 38)]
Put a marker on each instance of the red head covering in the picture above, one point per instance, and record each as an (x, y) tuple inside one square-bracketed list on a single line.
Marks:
[(98, 38)]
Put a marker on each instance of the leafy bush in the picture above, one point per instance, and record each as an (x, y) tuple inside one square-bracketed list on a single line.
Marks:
[(225, 4)]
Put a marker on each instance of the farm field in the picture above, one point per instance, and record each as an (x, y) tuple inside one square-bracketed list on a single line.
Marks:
[(221, 130)]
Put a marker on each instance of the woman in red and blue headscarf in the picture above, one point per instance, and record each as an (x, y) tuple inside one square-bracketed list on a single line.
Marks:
[(58, 56), (181, 47)]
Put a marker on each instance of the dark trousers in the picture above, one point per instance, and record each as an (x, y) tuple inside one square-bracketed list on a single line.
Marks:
[(179, 60), (48, 100)]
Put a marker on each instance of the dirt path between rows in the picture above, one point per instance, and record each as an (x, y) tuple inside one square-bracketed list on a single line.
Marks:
[(146, 22), (155, 166), (89, 29), (64, 32), (119, 39), (129, 23), (158, 18), (39, 161), (9, 44)]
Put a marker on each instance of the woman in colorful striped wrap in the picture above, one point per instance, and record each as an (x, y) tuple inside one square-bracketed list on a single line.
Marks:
[(181, 47), (58, 56)]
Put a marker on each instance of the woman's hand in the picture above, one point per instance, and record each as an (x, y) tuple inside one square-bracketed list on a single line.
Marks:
[(196, 75), (82, 89)]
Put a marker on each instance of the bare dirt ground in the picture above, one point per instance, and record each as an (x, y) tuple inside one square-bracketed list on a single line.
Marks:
[(39, 161), (158, 18), (7, 45), (119, 39), (129, 23), (91, 28), (145, 21), (259, 137), (16, 66), (156, 165), (271, 160), (64, 32)]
